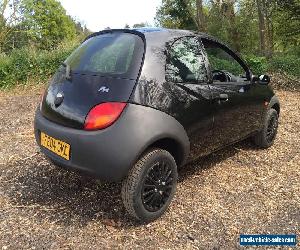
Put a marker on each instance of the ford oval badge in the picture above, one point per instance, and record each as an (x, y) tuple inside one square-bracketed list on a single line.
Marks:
[(58, 99)]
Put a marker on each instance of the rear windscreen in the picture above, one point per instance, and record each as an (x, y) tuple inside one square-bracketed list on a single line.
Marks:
[(116, 53)]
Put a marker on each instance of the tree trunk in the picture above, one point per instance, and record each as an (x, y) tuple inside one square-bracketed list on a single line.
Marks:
[(270, 47), (262, 26), (200, 16), (228, 9), (3, 6), (269, 26), (271, 37)]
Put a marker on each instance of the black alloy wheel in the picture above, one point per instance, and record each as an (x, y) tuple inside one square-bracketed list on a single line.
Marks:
[(150, 185), (157, 186), (272, 128), (266, 137)]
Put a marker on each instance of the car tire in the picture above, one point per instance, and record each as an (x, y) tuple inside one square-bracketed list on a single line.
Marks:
[(150, 185), (265, 138)]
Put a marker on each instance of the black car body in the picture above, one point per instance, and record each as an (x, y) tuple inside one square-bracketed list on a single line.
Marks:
[(168, 94)]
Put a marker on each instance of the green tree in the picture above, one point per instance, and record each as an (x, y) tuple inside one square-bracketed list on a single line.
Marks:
[(8, 18), (140, 25), (177, 14), (216, 17), (247, 26), (47, 23), (182, 14), (287, 24), (223, 21)]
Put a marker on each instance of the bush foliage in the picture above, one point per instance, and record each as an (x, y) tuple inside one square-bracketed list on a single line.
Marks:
[(27, 64), (287, 64)]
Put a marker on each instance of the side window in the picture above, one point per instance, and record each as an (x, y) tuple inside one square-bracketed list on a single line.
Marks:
[(224, 67), (185, 61)]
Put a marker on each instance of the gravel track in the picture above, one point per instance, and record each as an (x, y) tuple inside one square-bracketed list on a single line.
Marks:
[(237, 190)]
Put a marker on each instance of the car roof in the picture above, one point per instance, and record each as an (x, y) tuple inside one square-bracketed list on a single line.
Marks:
[(174, 32), (168, 34)]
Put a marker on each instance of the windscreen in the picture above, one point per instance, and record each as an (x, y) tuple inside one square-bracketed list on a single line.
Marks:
[(115, 54)]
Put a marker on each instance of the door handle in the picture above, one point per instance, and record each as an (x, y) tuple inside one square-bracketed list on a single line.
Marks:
[(223, 97)]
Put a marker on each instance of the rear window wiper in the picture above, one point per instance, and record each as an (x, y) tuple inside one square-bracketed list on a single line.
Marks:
[(68, 71)]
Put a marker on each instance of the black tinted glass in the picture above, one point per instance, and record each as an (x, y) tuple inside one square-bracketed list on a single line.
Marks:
[(219, 59), (108, 54), (186, 62)]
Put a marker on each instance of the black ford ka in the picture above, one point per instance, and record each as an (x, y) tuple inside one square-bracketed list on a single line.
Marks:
[(136, 105)]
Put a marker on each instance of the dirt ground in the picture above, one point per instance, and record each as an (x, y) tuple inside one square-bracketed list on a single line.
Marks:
[(239, 190)]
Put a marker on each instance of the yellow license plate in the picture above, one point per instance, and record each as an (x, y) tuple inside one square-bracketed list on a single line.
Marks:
[(56, 146)]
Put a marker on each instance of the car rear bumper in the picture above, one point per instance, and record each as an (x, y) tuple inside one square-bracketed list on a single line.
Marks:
[(96, 153), (108, 154)]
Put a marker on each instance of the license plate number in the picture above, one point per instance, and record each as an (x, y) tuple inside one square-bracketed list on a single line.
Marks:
[(56, 146)]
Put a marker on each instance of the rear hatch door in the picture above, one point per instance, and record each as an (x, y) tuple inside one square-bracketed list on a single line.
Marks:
[(104, 68)]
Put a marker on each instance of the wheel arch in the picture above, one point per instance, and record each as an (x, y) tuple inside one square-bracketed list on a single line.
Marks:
[(274, 104), (150, 128), (173, 146)]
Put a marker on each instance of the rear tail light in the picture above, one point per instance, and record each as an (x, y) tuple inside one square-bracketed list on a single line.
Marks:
[(103, 115)]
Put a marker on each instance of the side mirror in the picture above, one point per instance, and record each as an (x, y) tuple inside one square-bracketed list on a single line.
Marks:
[(262, 79)]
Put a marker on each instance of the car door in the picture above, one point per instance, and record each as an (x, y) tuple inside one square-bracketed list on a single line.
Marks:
[(187, 76), (236, 100)]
